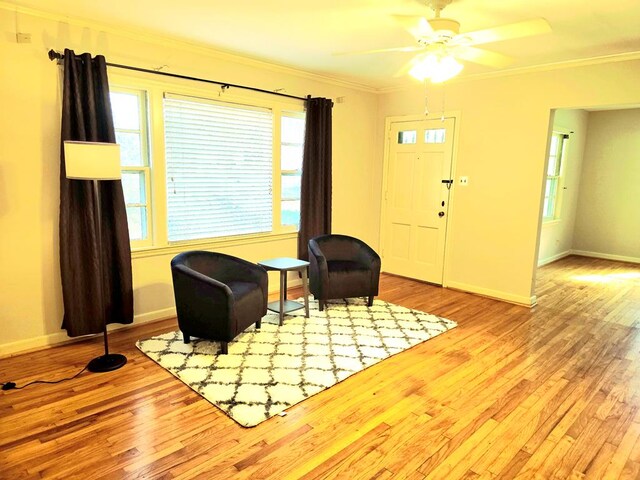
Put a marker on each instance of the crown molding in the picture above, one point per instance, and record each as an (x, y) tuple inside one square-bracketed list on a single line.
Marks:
[(173, 42), (212, 52), (582, 62)]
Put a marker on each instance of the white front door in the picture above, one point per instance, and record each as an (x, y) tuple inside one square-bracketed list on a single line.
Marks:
[(416, 200)]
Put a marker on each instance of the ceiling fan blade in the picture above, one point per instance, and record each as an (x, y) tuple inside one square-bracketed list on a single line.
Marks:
[(406, 67), (483, 57), (527, 28), (412, 48), (417, 26)]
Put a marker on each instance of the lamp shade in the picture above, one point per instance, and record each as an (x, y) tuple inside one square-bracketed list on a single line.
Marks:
[(92, 160)]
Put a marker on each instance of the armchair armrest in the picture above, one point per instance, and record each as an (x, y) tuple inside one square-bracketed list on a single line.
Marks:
[(367, 255), (314, 249), (245, 271), (318, 270), (317, 259), (188, 275)]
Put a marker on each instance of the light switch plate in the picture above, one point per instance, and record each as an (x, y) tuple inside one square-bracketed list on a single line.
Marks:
[(23, 37)]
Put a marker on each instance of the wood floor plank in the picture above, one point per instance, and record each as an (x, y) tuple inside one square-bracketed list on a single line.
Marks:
[(511, 393)]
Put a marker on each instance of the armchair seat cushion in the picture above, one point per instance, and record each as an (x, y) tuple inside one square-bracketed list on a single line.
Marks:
[(344, 266)]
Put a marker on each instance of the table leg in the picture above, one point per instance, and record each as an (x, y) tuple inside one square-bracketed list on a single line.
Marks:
[(305, 292), (283, 296), (284, 276)]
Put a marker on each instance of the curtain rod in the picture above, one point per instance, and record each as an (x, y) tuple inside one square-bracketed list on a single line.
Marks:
[(53, 55)]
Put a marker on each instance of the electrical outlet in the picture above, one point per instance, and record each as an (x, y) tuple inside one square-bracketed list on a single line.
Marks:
[(464, 181)]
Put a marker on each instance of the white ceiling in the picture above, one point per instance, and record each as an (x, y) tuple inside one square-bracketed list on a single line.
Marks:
[(305, 34)]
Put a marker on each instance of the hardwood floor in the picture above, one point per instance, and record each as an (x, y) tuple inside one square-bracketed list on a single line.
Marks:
[(512, 393)]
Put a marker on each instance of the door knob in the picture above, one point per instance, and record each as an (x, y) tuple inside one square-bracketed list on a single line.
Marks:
[(441, 214)]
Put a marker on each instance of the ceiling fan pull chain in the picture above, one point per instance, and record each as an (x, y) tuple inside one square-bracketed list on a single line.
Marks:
[(443, 100), (426, 100)]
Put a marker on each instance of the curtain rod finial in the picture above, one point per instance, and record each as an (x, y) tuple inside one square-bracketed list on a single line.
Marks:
[(53, 55)]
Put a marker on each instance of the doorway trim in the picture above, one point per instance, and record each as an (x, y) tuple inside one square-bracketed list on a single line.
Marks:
[(385, 176)]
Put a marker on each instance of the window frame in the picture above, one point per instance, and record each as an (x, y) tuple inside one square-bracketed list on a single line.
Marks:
[(283, 173), (558, 178), (145, 169), (157, 221)]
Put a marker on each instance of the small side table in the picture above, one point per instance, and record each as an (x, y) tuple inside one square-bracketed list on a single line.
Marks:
[(284, 265)]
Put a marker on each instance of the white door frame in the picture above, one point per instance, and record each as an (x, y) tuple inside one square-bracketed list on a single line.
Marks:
[(385, 176)]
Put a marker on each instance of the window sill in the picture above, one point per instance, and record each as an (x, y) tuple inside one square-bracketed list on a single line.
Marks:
[(210, 244), (551, 221)]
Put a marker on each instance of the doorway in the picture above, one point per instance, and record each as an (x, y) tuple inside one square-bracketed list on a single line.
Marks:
[(595, 213), (592, 210), (415, 209)]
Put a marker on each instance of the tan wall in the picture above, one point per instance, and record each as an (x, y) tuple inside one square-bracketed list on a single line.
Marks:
[(30, 297), (556, 236), (608, 216), (494, 224), (504, 125)]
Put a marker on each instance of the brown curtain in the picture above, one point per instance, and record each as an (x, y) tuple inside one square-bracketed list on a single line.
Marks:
[(315, 189), (86, 116)]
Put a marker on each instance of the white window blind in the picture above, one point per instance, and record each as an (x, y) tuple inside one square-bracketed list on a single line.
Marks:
[(219, 168)]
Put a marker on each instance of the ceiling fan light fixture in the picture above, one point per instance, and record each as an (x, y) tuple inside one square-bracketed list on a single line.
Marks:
[(445, 27), (448, 68), (435, 68)]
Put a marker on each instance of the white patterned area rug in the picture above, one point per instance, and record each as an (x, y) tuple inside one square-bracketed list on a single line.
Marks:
[(267, 371)]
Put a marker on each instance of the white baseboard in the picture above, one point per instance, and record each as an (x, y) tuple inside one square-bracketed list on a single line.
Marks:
[(275, 287), (553, 258), (141, 318), (60, 338), (35, 343), (606, 256), (495, 294)]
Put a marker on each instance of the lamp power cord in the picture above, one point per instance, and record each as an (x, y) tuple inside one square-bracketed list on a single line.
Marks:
[(13, 386)]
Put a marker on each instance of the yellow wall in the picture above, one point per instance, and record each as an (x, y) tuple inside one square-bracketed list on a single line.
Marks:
[(608, 220), (556, 236), (30, 297), (494, 222), (504, 124)]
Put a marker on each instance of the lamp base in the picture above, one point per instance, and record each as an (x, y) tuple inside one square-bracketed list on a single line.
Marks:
[(107, 363)]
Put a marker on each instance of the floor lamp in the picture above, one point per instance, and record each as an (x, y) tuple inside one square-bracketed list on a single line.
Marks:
[(96, 161)]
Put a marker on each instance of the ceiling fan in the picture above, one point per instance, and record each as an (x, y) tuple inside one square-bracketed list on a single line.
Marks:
[(441, 44)]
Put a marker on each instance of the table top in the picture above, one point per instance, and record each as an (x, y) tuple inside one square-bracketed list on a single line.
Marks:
[(283, 263)]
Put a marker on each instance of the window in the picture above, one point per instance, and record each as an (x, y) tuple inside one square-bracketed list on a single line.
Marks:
[(407, 136), (434, 135), (221, 170), (551, 194), (291, 145), (130, 120)]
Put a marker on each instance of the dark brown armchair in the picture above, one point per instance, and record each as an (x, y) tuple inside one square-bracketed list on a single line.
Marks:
[(217, 296), (342, 267)]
